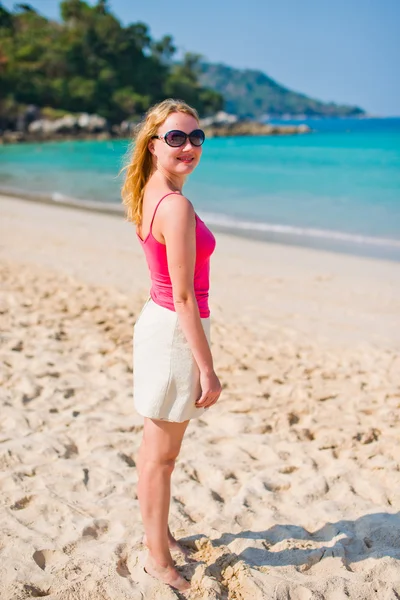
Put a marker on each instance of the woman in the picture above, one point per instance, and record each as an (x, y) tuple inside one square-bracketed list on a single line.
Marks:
[(174, 377)]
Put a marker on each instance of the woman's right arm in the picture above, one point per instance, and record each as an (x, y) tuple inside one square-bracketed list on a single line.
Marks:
[(178, 226)]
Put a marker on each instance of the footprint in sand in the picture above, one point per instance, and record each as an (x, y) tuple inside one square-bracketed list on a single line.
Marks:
[(46, 559), (22, 503), (99, 528), (127, 459), (70, 450), (122, 568), (182, 509), (35, 592), (217, 497)]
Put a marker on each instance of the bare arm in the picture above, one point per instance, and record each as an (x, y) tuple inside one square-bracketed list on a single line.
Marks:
[(178, 225)]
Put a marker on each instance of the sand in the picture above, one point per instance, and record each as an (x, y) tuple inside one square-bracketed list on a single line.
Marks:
[(289, 488)]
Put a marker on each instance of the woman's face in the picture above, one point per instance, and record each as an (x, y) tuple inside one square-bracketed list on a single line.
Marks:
[(178, 161)]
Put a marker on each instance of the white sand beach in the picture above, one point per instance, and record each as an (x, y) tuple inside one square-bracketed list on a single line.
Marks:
[(289, 488)]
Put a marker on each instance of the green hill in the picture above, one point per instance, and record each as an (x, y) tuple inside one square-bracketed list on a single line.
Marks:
[(249, 93)]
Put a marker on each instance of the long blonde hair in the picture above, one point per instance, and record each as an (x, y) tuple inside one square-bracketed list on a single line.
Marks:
[(140, 163)]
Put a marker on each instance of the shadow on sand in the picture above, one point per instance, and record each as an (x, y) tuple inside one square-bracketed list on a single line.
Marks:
[(370, 536)]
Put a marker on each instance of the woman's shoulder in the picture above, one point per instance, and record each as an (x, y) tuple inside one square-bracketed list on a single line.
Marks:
[(173, 205)]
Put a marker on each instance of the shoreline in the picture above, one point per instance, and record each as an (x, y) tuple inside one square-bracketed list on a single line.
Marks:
[(293, 281), (330, 241)]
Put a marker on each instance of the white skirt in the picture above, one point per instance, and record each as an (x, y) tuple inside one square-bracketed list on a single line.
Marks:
[(166, 379)]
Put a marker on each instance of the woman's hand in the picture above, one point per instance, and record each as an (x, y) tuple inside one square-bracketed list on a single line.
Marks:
[(210, 389)]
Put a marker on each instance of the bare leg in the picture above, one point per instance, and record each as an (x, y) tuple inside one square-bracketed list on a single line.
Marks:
[(160, 447), (173, 543), (175, 546)]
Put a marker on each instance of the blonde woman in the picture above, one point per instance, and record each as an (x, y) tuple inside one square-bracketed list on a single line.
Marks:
[(174, 377)]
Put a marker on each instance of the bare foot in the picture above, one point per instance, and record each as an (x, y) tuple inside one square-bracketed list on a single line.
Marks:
[(168, 575), (173, 545)]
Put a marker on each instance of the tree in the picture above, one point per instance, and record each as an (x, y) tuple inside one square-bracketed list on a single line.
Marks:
[(102, 7), (91, 63), (163, 50), (25, 8), (183, 83), (73, 10), (6, 19)]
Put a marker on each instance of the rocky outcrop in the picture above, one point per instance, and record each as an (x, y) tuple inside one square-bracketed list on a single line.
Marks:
[(219, 119), (85, 126), (81, 126), (241, 128), (69, 124), (224, 125)]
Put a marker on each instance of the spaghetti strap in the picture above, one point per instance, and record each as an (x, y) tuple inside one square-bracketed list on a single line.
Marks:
[(155, 210)]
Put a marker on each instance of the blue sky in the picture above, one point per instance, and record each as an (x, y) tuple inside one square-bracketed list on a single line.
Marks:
[(345, 51)]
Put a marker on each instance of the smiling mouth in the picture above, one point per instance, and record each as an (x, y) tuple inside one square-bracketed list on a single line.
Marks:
[(186, 159)]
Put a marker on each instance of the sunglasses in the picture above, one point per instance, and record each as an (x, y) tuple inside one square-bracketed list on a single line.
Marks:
[(176, 138)]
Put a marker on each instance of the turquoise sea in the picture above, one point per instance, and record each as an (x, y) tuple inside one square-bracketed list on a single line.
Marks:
[(337, 188)]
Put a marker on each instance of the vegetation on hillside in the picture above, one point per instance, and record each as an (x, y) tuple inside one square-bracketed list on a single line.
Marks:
[(249, 93), (89, 62)]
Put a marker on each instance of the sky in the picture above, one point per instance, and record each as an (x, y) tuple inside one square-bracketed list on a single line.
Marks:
[(344, 51)]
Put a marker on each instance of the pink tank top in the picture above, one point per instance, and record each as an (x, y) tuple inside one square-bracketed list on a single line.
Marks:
[(156, 256)]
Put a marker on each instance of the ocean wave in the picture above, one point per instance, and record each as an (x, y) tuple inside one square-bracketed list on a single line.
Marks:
[(60, 198), (229, 223), (220, 220)]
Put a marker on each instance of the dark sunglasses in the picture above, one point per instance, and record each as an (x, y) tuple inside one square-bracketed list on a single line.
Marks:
[(176, 138)]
